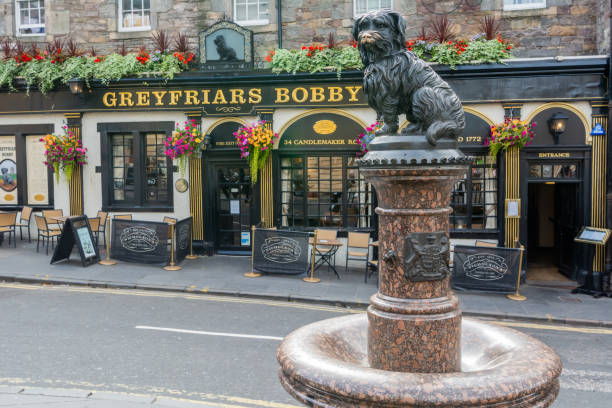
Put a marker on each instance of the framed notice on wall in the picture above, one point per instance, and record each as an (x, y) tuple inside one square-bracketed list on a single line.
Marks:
[(8, 170), (37, 176), (513, 208)]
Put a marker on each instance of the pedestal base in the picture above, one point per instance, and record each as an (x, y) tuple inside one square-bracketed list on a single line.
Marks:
[(325, 364)]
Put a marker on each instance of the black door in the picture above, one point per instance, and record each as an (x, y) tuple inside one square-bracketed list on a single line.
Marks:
[(233, 207), (566, 227)]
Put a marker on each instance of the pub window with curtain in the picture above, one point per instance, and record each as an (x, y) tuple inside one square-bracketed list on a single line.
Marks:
[(30, 17), (363, 6), (137, 172), (251, 12), (524, 4), (474, 199), (324, 191), (134, 15)]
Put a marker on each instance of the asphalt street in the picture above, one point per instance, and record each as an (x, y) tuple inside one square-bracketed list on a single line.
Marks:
[(70, 346)]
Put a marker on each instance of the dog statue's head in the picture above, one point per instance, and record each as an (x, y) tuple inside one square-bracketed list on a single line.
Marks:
[(379, 33), (219, 41)]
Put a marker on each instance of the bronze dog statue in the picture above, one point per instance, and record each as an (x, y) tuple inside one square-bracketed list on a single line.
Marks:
[(396, 81)]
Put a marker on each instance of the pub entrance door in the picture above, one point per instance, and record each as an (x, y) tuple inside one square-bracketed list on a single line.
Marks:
[(234, 211), (553, 222)]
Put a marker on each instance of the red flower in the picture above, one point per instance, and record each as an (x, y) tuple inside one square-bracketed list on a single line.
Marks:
[(509, 47), (303, 47), (53, 61), (97, 60), (268, 58), (309, 55)]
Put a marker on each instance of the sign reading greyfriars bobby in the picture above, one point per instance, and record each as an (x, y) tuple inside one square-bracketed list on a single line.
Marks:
[(226, 46), (278, 251), (426, 256), (140, 241), (492, 269)]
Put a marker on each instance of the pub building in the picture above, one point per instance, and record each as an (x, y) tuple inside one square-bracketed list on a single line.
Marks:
[(312, 179)]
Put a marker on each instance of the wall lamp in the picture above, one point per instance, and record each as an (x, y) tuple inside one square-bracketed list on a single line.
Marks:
[(557, 125), (76, 86)]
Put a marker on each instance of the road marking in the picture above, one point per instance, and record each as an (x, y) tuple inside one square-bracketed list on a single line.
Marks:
[(553, 327), (148, 391), (171, 295), (273, 303), (207, 333)]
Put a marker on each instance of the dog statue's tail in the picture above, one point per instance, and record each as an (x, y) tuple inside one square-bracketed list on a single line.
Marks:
[(442, 129)]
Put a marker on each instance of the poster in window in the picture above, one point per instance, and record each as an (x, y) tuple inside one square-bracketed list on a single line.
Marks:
[(85, 238), (37, 179), (8, 170)]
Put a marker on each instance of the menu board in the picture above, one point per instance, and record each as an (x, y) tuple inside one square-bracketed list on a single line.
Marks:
[(37, 175), (8, 171), (76, 232), (280, 251), (593, 235)]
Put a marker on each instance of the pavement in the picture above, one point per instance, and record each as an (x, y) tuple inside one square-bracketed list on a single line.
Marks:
[(223, 275)]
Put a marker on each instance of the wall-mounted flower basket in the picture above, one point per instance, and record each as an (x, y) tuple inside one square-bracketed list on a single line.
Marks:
[(64, 152), (510, 133), (185, 142), (255, 142)]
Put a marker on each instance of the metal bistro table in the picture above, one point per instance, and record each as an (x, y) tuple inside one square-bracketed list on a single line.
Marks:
[(326, 255)]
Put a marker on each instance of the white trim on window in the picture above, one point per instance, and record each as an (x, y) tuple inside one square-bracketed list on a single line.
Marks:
[(144, 18), (357, 13), (509, 5), (19, 26), (256, 22)]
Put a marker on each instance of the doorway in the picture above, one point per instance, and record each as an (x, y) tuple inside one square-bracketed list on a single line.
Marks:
[(553, 222), (234, 208)]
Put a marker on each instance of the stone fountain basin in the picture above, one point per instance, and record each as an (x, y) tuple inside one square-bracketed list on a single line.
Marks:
[(325, 364)]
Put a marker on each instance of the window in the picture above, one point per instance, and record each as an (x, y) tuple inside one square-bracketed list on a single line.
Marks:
[(30, 17), (136, 172), (324, 191), (251, 12), (363, 6), (474, 199), (134, 15), (524, 4), (24, 177)]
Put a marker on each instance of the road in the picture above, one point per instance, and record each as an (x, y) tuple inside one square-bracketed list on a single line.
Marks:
[(193, 348)]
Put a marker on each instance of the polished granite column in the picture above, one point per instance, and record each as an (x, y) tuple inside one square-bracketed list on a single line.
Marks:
[(414, 319)]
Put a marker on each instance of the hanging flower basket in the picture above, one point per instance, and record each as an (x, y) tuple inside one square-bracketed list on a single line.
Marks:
[(185, 142), (512, 132), (64, 152), (255, 144)]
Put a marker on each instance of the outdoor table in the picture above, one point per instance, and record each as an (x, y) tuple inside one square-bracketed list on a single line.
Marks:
[(326, 256), (59, 221)]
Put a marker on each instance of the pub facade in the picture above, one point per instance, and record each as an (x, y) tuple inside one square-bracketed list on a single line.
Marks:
[(312, 179)]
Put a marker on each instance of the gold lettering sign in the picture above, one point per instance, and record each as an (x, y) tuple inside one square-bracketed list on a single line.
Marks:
[(469, 139), (554, 155), (324, 127), (233, 96)]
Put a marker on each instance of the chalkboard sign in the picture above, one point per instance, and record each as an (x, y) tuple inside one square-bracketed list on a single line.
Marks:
[(278, 251), (592, 235), (139, 241), (485, 268), (76, 231), (182, 239)]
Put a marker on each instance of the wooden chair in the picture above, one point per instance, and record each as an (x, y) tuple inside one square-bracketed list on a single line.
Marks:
[(24, 221), (123, 216), (102, 215), (94, 224), (361, 242), (322, 235), (45, 232), (169, 220), (53, 223), (7, 224), (485, 244)]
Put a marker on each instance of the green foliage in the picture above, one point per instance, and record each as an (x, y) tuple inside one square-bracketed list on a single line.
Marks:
[(46, 75), (316, 58)]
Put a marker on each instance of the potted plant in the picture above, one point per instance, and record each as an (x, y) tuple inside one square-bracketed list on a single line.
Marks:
[(185, 142), (512, 132), (255, 142), (64, 152)]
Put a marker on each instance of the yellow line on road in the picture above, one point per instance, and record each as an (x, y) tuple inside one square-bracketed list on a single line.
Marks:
[(175, 295), (207, 399), (554, 327), (274, 303)]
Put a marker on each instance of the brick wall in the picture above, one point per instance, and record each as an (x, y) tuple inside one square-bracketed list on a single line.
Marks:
[(564, 27)]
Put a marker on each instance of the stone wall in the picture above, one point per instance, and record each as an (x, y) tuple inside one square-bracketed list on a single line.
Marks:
[(564, 27)]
